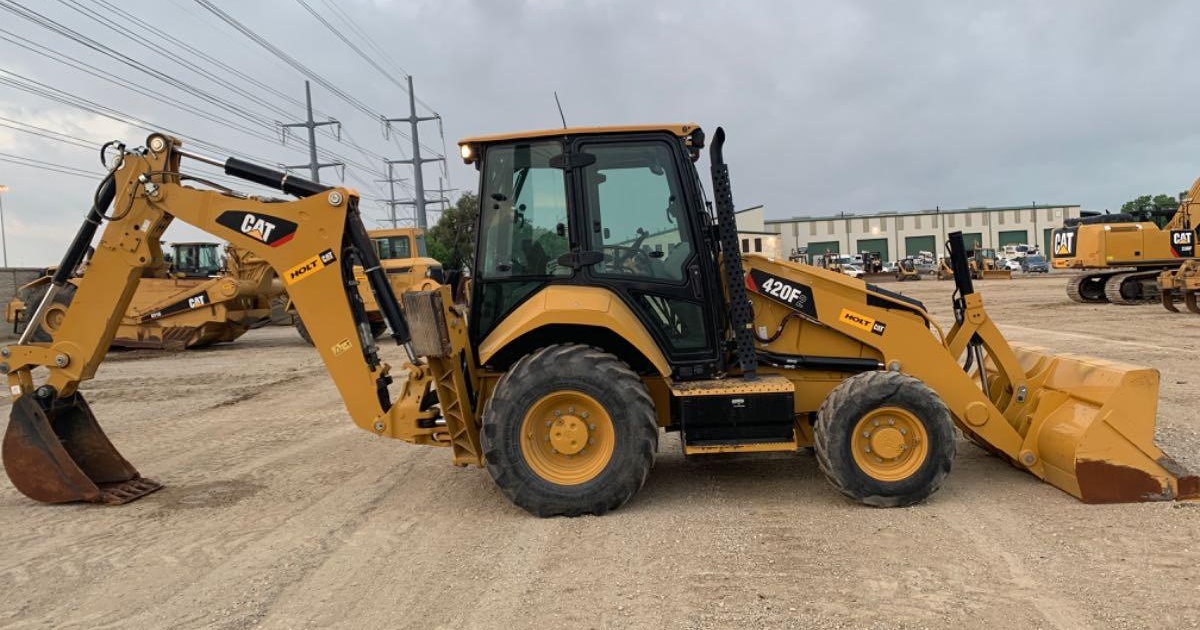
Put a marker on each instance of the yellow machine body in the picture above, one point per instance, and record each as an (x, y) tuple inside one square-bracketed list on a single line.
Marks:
[(1082, 424)]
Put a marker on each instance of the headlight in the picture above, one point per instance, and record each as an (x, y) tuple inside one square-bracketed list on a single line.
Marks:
[(468, 153)]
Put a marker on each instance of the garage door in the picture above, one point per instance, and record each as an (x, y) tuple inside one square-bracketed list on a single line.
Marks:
[(816, 249), (1013, 237), (875, 245), (973, 240), (916, 244)]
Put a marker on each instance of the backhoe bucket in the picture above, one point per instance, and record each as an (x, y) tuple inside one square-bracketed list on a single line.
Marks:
[(62, 455), (1090, 428)]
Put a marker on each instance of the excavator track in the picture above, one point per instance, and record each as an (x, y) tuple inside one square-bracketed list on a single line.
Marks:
[(1131, 288), (1087, 288)]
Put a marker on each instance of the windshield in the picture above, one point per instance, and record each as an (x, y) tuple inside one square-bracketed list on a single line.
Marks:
[(392, 247), (1035, 259)]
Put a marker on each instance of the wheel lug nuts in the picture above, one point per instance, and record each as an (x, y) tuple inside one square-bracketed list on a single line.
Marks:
[(591, 440), (867, 449), (557, 412), (570, 410), (591, 427), (903, 431), (548, 424), (891, 422), (584, 415), (875, 422), (866, 434)]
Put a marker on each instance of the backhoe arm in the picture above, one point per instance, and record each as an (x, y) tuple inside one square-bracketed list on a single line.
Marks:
[(312, 243)]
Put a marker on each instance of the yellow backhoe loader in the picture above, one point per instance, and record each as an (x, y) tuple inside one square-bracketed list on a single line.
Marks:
[(402, 253), (1121, 256), (607, 305), (906, 269), (981, 263), (1183, 282), (194, 299)]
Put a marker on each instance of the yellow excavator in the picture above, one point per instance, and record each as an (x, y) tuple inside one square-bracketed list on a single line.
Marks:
[(196, 298), (608, 304), (408, 266), (1121, 257)]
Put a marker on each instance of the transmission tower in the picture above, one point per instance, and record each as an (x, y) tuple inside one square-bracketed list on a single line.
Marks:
[(313, 165)]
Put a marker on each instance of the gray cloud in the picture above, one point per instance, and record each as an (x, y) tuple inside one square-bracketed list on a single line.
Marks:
[(856, 106)]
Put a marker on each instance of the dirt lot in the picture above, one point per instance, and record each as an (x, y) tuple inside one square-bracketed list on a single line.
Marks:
[(279, 513)]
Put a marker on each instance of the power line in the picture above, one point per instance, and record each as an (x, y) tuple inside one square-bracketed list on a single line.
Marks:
[(292, 61), (109, 77)]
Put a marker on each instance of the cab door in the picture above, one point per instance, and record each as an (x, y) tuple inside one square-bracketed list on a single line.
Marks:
[(646, 218)]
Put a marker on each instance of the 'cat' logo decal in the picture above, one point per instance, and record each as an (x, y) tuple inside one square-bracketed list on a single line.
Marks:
[(261, 227)]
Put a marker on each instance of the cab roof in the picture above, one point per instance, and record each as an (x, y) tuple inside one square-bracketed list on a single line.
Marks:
[(679, 129)]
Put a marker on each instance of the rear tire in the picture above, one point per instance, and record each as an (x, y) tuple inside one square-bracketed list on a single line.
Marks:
[(546, 400), (884, 439)]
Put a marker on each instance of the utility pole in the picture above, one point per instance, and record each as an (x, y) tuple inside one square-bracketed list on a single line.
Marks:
[(391, 201), (313, 165), (419, 201)]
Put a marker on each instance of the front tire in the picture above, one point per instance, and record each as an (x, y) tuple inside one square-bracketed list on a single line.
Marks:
[(884, 439), (569, 430)]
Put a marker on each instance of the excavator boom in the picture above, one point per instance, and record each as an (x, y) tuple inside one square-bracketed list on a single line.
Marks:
[(55, 451)]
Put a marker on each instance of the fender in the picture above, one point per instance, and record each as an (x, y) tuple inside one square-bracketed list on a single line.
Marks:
[(572, 304)]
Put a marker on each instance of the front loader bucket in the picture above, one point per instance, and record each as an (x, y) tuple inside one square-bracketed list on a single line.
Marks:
[(63, 455), (997, 274), (1090, 428)]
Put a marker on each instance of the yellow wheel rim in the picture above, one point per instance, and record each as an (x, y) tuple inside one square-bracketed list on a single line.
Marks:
[(567, 438), (889, 444)]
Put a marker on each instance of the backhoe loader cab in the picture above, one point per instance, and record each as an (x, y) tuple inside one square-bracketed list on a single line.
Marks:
[(196, 260), (607, 305)]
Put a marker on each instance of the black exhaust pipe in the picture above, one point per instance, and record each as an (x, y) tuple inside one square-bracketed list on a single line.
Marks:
[(740, 312)]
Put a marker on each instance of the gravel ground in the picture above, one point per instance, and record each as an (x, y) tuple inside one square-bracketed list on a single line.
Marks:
[(279, 513)]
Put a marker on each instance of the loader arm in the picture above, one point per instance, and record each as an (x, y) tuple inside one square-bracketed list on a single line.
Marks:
[(312, 243)]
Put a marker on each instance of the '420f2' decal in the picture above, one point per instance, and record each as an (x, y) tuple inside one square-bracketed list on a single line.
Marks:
[(795, 295)]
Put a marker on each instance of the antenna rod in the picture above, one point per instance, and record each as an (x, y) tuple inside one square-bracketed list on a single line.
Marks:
[(560, 113)]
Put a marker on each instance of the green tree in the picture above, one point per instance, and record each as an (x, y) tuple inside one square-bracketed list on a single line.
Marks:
[(452, 240), (1158, 208)]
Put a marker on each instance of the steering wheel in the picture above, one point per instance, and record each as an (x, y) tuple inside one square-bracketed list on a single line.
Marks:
[(632, 250)]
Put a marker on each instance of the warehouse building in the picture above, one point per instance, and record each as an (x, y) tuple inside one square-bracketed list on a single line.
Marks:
[(896, 235)]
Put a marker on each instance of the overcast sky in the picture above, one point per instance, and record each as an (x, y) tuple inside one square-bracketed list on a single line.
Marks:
[(830, 107)]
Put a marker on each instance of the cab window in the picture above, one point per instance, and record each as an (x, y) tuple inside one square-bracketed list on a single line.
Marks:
[(523, 214), (636, 211)]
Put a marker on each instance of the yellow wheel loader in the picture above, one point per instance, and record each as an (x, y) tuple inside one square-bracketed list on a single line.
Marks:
[(1183, 282), (402, 253), (607, 306), (195, 298), (1121, 256)]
